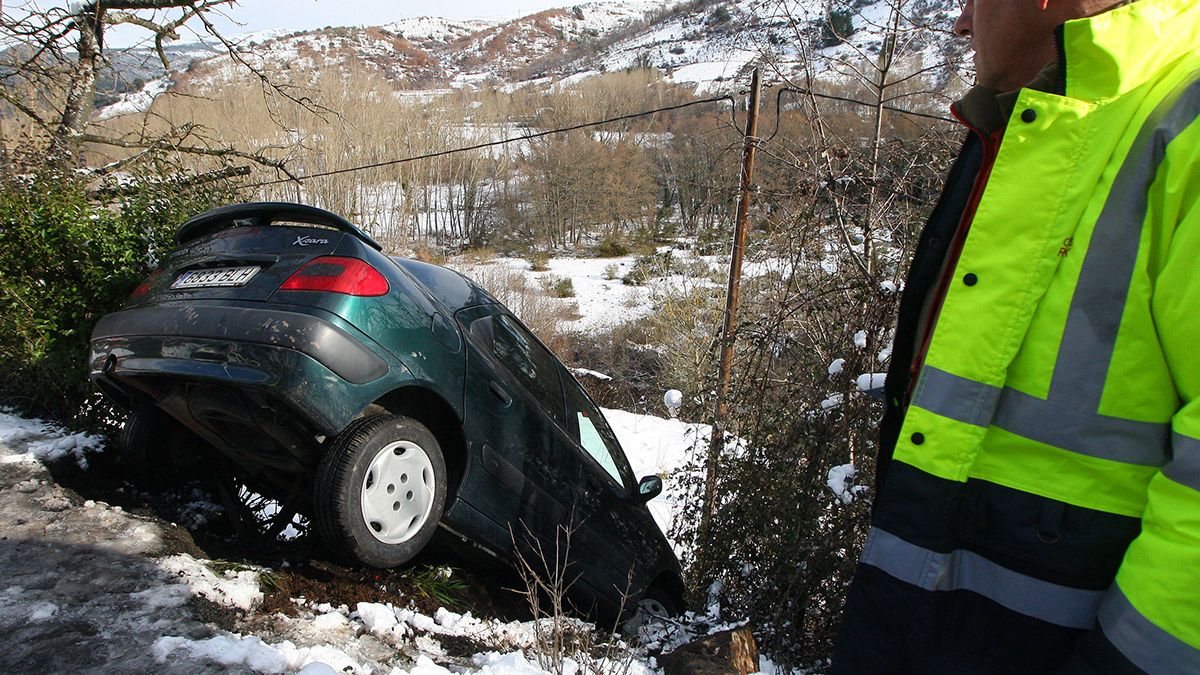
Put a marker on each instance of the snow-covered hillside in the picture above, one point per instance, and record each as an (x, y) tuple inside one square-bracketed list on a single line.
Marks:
[(709, 44), (718, 42)]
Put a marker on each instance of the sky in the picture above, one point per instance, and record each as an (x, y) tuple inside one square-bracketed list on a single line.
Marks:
[(257, 15)]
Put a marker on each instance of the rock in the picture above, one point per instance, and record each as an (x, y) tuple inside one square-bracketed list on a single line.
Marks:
[(28, 486), (730, 652)]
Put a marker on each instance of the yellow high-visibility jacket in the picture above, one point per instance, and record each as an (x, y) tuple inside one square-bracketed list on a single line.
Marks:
[(1049, 457)]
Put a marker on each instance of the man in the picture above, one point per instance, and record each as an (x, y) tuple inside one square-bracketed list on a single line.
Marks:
[(1039, 475)]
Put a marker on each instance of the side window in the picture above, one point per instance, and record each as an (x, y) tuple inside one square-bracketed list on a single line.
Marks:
[(595, 436), (525, 358)]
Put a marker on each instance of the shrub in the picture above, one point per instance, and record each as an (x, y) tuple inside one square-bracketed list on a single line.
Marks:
[(837, 28), (66, 261), (539, 261), (559, 287), (610, 271), (429, 254), (650, 266), (611, 247)]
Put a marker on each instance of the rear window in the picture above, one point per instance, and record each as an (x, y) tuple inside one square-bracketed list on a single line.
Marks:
[(449, 287)]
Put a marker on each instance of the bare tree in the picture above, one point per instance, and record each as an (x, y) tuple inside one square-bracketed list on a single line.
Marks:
[(56, 55)]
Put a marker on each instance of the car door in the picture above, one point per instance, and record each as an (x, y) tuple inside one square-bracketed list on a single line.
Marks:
[(514, 414), (617, 533)]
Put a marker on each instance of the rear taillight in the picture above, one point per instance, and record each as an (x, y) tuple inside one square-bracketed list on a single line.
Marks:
[(335, 274), (145, 286)]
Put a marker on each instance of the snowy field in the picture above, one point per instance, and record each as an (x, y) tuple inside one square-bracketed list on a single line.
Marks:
[(602, 300), (89, 586)]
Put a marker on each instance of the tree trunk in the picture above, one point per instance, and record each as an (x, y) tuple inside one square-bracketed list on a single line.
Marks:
[(81, 93)]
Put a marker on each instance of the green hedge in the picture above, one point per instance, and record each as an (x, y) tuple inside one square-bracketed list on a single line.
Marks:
[(67, 259)]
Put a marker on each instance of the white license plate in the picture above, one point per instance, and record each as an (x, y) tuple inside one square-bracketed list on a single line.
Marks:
[(220, 276)]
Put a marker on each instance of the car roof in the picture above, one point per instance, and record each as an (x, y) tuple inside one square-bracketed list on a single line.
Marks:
[(449, 287)]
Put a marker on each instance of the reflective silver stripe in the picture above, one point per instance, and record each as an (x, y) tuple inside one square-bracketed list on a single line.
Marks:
[(1149, 647), (955, 397), (966, 571), (1080, 431), (1096, 308), (1185, 463)]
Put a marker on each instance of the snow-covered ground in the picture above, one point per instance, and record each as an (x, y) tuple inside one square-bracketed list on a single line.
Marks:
[(601, 298), (89, 586)]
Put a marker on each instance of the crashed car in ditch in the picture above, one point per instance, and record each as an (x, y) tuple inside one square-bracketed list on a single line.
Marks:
[(382, 398)]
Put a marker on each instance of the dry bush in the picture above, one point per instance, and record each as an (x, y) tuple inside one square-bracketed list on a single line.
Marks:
[(564, 645)]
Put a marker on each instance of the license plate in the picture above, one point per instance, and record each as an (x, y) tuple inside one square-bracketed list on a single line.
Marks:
[(220, 276)]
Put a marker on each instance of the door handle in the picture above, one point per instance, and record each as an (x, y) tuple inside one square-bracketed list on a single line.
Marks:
[(500, 394)]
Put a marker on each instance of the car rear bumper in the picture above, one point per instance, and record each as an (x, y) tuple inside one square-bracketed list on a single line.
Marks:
[(315, 337), (300, 361)]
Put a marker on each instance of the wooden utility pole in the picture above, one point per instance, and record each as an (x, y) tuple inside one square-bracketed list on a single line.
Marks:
[(716, 444)]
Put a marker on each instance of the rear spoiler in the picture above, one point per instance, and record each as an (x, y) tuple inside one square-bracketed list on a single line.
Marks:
[(256, 214)]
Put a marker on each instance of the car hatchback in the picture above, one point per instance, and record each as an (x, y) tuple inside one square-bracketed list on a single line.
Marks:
[(381, 397)]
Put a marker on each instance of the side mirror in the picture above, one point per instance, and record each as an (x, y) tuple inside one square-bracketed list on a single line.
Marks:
[(649, 488)]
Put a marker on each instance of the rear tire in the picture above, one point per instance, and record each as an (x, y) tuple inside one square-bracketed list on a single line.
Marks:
[(379, 491), (144, 448)]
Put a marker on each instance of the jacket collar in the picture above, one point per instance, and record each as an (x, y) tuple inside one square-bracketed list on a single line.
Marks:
[(1112, 53), (987, 110), (1100, 57)]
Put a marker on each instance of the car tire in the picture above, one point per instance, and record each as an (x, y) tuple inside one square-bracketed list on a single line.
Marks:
[(654, 605), (143, 449), (379, 491)]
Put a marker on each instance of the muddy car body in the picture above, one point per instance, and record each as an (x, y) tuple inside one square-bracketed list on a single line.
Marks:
[(324, 371)]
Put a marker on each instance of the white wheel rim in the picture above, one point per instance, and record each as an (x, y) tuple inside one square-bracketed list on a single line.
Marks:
[(397, 492), (652, 608), (648, 609)]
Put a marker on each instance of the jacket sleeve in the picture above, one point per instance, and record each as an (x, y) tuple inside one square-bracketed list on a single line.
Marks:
[(1150, 618)]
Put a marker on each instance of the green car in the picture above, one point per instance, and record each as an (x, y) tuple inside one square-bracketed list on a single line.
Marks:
[(381, 397)]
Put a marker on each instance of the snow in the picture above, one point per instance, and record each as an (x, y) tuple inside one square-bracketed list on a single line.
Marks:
[(836, 366), (43, 441), (832, 401), (238, 589), (423, 28), (584, 372), (860, 339), (884, 354), (251, 652), (870, 381), (135, 102), (42, 611), (661, 447), (841, 483), (603, 303), (146, 604), (673, 399)]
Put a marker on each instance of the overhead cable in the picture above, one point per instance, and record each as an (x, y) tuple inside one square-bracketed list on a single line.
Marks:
[(503, 141)]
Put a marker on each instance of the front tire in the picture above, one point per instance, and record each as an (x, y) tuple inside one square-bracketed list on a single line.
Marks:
[(379, 491), (655, 605)]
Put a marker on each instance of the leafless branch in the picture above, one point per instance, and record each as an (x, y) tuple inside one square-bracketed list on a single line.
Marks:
[(167, 144)]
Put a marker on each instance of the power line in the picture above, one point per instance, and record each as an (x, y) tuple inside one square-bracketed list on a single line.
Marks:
[(503, 141), (793, 90)]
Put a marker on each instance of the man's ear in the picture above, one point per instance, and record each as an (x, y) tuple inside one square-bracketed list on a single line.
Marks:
[(1044, 4)]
